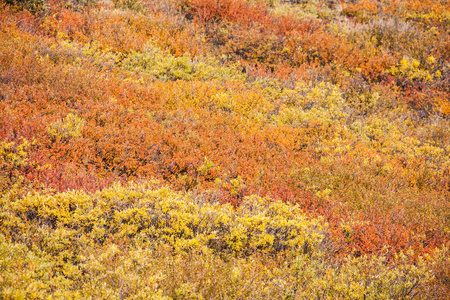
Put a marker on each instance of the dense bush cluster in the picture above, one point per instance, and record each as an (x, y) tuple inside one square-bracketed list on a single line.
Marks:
[(303, 146), (143, 241)]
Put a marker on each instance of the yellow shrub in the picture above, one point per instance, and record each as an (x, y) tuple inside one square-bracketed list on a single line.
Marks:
[(144, 241), (66, 128)]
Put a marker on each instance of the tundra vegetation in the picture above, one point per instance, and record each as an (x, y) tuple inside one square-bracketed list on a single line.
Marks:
[(224, 149)]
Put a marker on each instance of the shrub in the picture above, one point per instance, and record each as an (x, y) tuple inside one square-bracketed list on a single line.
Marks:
[(69, 127), (33, 6), (15, 163), (134, 241)]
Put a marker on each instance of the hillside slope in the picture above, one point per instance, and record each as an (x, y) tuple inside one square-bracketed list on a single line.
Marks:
[(335, 113)]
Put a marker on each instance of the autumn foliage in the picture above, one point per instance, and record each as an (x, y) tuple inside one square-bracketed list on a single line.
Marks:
[(334, 113)]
